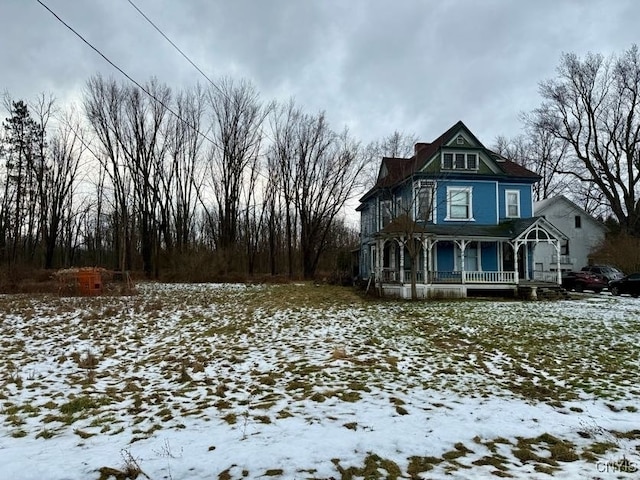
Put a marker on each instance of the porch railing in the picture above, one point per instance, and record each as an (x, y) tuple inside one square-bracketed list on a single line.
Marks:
[(545, 276), (490, 277), (564, 259), (390, 275)]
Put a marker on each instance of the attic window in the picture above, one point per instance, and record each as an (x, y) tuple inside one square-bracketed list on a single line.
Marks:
[(460, 140), (459, 161)]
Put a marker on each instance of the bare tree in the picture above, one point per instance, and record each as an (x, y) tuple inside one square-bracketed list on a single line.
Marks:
[(593, 105), (282, 162), (326, 173), (58, 183), (541, 152), (238, 115), (130, 126), (395, 145), (103, 104), (183, 179)]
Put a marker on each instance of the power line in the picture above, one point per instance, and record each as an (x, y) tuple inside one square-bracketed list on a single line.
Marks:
[(151, 95), (175, 46)]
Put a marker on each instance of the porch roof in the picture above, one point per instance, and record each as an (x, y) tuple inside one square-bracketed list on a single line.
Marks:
[(506, 230)]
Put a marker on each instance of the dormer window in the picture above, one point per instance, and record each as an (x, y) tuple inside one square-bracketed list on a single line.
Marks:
[(459, 161)]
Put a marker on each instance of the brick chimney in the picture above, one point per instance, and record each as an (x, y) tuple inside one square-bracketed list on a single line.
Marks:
[(419, 146)]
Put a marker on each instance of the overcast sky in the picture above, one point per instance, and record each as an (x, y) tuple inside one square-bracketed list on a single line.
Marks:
[(415, 66)]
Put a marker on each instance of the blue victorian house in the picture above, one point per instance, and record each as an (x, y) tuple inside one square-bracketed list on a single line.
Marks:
[(453, 218)]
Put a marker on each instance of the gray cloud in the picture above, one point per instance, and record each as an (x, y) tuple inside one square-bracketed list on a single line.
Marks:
[(415, 66)]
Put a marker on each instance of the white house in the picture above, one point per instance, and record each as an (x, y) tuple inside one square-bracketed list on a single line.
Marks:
[(584, 234)]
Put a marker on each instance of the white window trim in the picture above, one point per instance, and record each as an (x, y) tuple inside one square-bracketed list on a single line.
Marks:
[(506, 203), (450, 192), (466, 161), (417, 186), (381, 215)]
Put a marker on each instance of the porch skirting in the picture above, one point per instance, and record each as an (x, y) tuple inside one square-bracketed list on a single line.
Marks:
[(440, 291)]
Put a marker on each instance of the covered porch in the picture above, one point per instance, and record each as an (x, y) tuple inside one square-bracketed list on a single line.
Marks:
[(450, 261)]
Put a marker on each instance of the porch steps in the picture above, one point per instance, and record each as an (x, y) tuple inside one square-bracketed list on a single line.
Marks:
[(543, 291)]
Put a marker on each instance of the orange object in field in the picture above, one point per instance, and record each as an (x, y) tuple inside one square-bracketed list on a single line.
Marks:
[(89, 281)]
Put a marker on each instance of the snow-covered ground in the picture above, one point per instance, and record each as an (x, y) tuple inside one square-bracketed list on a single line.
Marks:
[(298, 381)]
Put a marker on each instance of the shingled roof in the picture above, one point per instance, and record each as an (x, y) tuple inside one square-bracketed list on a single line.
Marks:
[(399, 169)]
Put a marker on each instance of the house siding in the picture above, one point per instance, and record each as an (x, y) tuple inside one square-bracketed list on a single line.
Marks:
[(489, 254), (581, 241)]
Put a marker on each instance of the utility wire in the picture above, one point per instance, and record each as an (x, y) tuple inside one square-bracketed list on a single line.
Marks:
[(151, 95), (175, 46), (159, 30)]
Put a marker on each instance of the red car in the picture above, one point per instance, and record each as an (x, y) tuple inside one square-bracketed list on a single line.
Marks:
[(580, 281)]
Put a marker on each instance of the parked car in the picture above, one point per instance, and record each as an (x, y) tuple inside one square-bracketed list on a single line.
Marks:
[(607, 272), (580, 281), (629, 284)]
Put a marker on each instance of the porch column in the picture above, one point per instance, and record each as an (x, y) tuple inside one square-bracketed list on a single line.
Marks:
[(379, 254), (426, 249), (558, 250), (372, 260), (462, 244), (515, 261), (401, 247)]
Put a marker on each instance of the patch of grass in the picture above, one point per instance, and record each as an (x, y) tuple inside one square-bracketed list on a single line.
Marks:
[(284, 414), (83, 434), (460, 450), (496, 461), (44, 433), (275, 472), (418, 465), (230, 418), (262, 418), (79, 404), (563, 452), (373, 468)]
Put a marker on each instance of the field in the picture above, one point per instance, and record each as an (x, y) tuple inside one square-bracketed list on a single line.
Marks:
[(307, 382)]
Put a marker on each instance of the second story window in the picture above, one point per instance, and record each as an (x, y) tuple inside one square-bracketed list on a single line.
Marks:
[(459, 204), (385, 213), (578, 221), (513, 203), (423, 199), (459, 161)]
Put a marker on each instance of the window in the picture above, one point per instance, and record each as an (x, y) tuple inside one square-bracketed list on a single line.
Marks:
[(513, 203), (578, 221), (385, 213), (564, 248), (459, 161), (471, 258), (459, 204), (472, 161), (460, 140), (423, 191), (447, 161)]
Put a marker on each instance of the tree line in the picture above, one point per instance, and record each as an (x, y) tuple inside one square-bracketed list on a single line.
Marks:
[(214, 182), (201, 183)]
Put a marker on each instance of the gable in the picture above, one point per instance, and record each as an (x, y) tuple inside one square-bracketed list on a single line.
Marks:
[(560, 206), (455, 153)]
